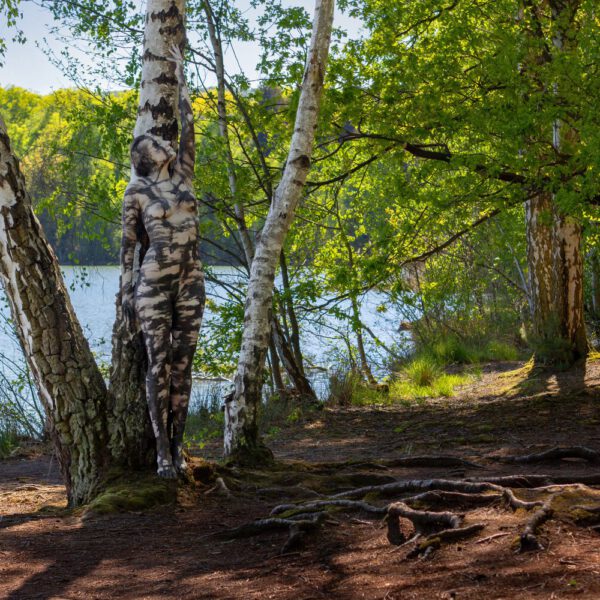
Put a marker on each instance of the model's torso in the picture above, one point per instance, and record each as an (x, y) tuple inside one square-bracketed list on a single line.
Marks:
[(169, 214)]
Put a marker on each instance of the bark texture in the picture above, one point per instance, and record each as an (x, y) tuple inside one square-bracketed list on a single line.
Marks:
[(69, 383), (290, 358), (555, 264), (131, 437), (241, 434), (554, 238)]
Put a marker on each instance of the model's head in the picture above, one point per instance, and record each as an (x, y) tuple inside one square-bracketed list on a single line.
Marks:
[(149, 154)]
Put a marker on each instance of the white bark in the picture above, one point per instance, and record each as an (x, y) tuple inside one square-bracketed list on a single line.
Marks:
[(158, 100), (70, 385), (240, 410), (131, 436)]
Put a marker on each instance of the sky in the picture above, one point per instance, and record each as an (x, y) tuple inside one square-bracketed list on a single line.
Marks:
[(29, 67)]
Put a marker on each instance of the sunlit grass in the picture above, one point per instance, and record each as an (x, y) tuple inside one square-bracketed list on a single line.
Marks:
[(443, 385)]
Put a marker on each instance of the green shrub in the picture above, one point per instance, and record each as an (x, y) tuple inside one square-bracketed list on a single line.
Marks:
[(422, 371), (452, 349), (443, 385), (496, 350), (342, 385), (9, 441)]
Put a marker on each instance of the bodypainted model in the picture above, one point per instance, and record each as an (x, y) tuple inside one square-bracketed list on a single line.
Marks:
[(168, 297)]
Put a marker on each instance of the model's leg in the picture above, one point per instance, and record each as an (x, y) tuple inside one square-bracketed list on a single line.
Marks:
[(186, 324), (155, 315)]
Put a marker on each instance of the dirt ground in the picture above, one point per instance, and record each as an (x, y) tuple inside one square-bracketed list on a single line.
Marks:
[(175, 552)]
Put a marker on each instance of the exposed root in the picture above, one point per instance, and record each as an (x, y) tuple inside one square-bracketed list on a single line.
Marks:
[(515, 502), (419, 485), (432, 461), (297, 491), (424, 522), (273, 524), (320, 504), (423, 502), (556, 453), (437, 498), (494, 536), (528, 540), (538, 481), (429, 545)]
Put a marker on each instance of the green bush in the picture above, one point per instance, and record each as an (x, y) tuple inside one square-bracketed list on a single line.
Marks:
[(422, 371), (9, 441), (496, 350), (451, 350), (342, 386), (443, 385)]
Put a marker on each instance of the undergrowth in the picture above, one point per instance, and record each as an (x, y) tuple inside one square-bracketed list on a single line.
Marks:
[(454, 350), (9, 441)]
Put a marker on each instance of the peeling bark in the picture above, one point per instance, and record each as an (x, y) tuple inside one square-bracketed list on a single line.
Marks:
[(241, 432), (555, 265), (69, 383)]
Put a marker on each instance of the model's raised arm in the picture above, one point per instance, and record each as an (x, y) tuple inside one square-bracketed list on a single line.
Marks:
[(186, 155), (131, 235)]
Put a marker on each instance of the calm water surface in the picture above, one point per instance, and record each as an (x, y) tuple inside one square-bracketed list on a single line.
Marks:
[(92, 291)]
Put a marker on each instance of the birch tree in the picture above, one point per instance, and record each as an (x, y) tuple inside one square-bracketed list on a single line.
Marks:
[(92, 429), (131, 437), (69, 383), (241, 431)]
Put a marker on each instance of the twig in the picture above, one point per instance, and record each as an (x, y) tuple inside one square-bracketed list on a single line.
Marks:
[(489, 538)]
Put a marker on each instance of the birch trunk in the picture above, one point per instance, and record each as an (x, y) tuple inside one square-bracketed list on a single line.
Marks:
[(241, 431), (555, 264), (69, 383), (291, 360), (570, 282), (541, 255), (554, 239), (569, 258), (131, 437)]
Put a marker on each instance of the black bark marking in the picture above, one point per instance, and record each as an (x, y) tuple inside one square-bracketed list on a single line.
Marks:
[(163, 78), (163, 15)]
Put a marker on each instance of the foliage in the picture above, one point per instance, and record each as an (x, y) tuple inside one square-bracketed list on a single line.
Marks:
[(422, 371), (436, 127)]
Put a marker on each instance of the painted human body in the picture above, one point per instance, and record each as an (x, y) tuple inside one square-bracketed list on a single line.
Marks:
[(168, 297)]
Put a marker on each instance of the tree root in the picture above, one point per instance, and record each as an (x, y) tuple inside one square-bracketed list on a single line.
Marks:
[(425, 547), (556, 453), (528, 540), (538, 481), (272, 524), (432, 528), (424, 522), (319, 504), (220, 488), (438, 497), (430, 461)]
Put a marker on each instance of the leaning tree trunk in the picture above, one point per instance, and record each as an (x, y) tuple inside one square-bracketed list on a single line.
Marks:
[(69, 383), (131, 437), (241, 430), (292, 361)]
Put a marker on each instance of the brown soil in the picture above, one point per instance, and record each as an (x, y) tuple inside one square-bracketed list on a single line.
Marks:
[(173, 552)]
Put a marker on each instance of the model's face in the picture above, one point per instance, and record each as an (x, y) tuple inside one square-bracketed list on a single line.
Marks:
[(159, 152)]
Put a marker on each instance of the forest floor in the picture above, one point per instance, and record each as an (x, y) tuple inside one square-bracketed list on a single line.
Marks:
[(179, 551)]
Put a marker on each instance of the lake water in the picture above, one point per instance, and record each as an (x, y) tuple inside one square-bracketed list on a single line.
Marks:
[(93, 290)]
